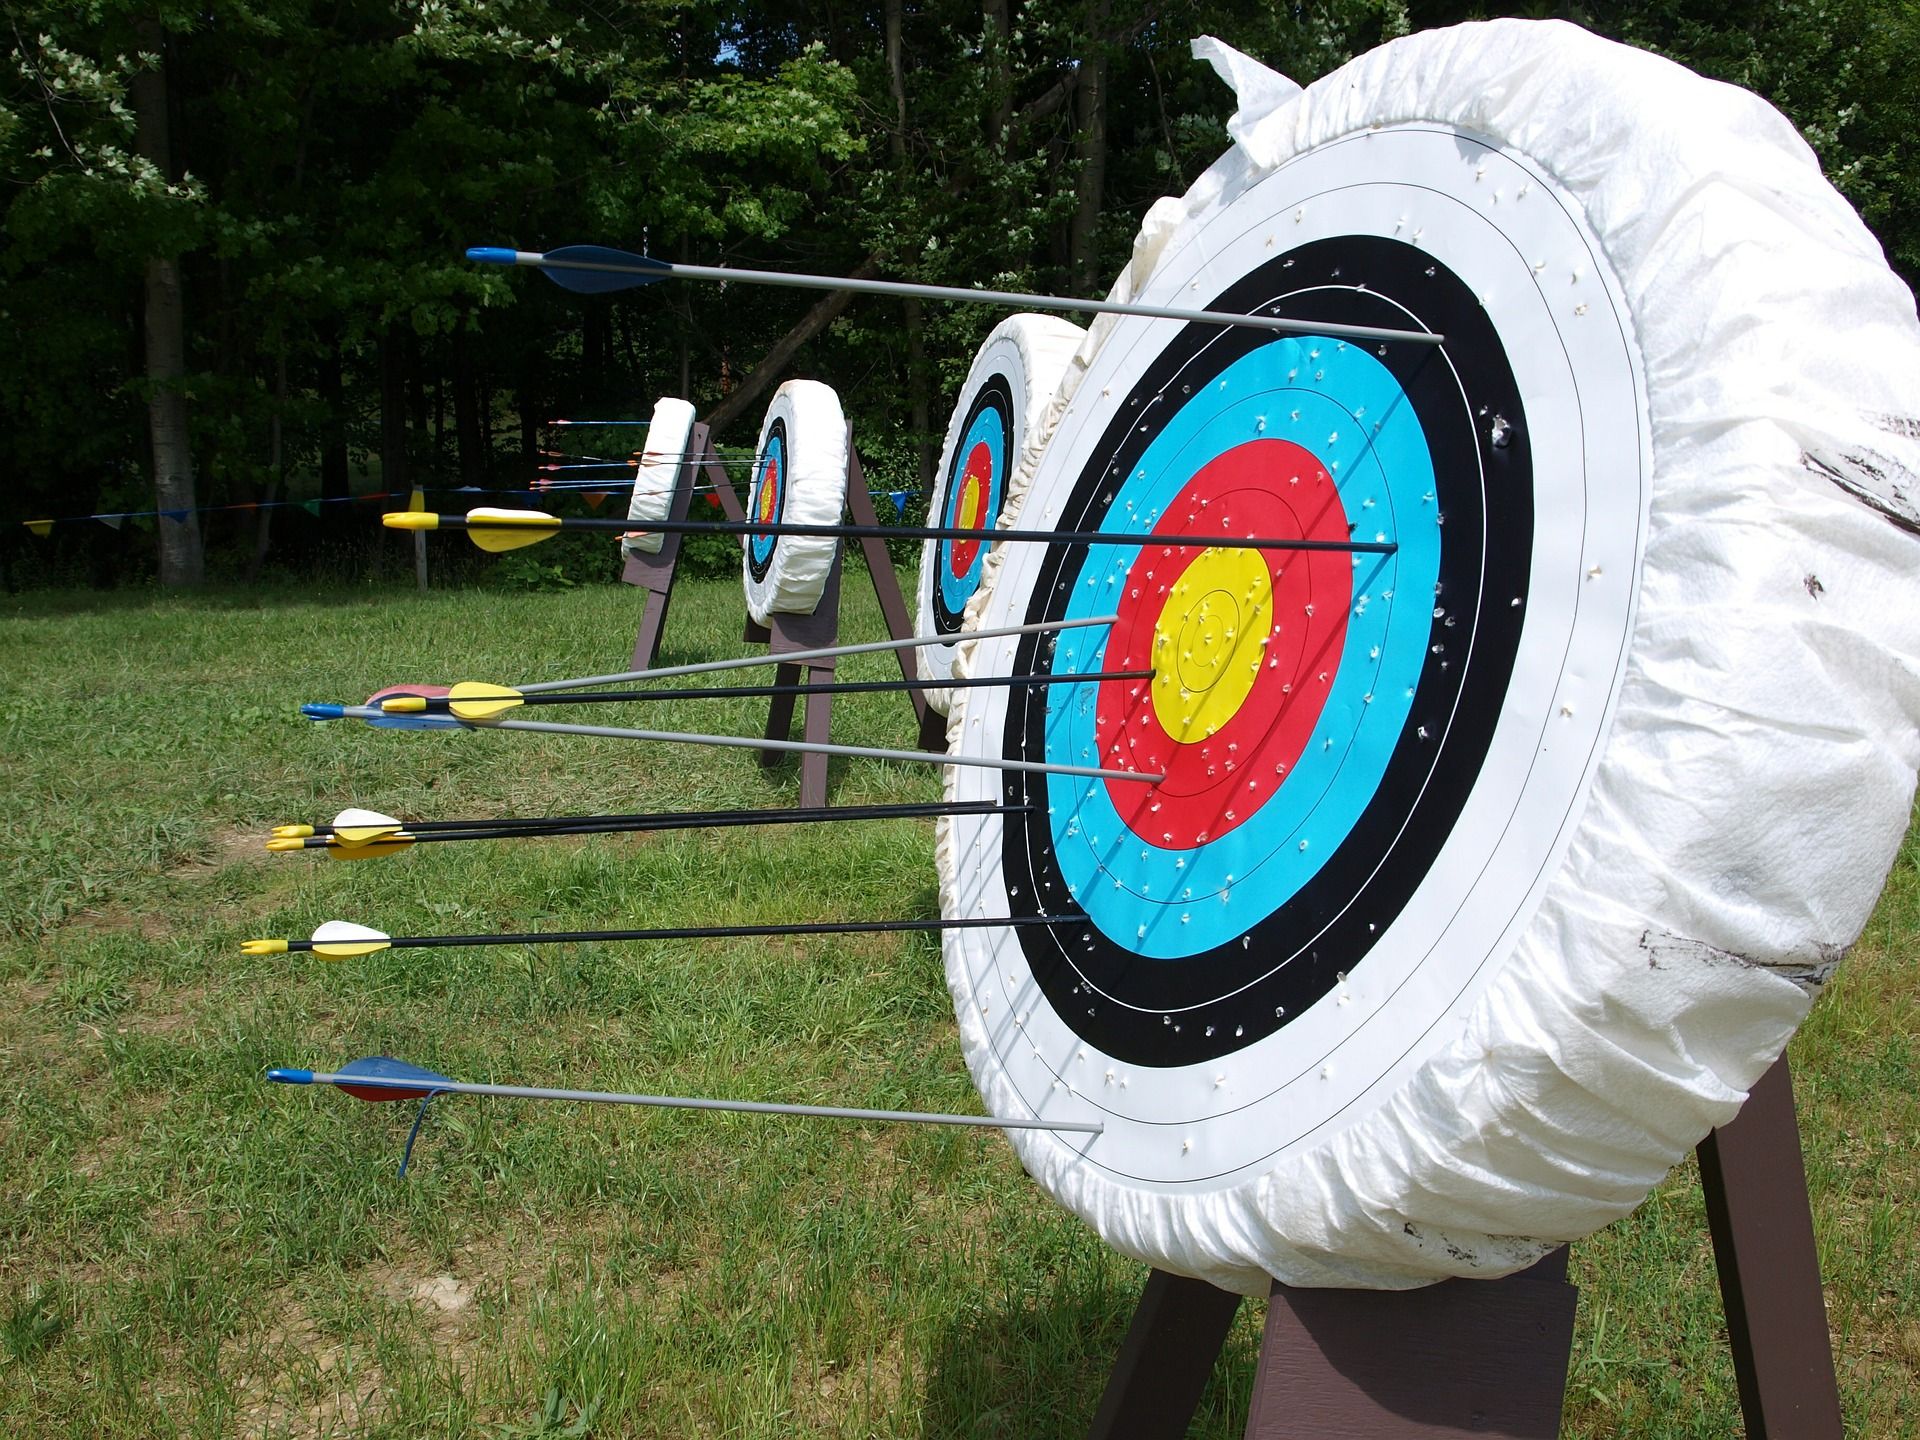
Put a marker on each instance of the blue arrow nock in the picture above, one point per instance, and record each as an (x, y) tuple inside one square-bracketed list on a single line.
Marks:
[(493, 255), (284, 1075), (321, 711)]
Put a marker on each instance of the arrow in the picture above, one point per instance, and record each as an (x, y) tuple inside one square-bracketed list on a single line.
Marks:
[(344, 940), (741, 742), (478, 701), (605, 424), (499, 530), (598, 270), (380, 1079), (367, 830), (744, 662)]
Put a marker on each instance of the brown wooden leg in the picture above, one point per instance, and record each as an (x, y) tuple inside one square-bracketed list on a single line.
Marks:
[(1165, 1361), (780, 713), (818, 728), (1480, 1357), (1755, 1185), (933, 731), (653, 620), (886, 588)]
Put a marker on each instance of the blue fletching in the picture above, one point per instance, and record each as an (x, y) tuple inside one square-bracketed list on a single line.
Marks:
[(286, 1076), (415, 722), (635, 269), (385, 1067), (319, 711), (492, 254)]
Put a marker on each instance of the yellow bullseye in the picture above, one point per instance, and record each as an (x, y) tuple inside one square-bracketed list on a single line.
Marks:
[(1209, 642)]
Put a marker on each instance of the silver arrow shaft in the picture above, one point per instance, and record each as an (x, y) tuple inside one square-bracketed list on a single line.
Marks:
[(1011, 298)]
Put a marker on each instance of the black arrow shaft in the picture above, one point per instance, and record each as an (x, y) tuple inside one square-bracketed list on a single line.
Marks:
[(710, 819), (710, 932)]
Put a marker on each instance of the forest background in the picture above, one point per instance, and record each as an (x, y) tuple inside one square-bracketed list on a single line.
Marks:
[(231, 264)]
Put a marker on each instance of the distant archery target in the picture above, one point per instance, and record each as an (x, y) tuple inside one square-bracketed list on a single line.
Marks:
[(1371, 761), (799, 478), (1000, 412), (657, 472)]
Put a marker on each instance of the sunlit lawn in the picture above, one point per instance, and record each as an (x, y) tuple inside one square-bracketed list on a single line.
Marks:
[(187, 1250)]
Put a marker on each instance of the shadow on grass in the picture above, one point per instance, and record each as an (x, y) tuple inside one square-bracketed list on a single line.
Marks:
[(1038, 1369)]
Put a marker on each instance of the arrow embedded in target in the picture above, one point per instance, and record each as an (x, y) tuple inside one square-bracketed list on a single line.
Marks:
[(480, 701), (379, 1079), (345, 940), (599, 270), (365, 834), (499, 530)]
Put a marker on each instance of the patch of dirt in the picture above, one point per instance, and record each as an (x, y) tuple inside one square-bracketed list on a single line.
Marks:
[(824, 1393), (295, 1381), (229, 845)]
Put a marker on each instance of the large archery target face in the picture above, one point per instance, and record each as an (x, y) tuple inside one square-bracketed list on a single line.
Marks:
[(1372, 762)]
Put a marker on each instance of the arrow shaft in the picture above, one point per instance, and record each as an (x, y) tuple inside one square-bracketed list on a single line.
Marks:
[(439, 705), (797, 747), (1012, 299), (704, 819), (929, 532), (708, 932), (686, 1102), (827, 652)]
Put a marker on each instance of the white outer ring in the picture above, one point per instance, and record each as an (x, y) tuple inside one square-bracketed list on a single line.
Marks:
[(658, 472), (1756, 778), (816, 494), (1031, 352)]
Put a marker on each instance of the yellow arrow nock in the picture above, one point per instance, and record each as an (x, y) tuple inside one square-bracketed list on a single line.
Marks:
[(291, 832), (263, 947), (410, 520)]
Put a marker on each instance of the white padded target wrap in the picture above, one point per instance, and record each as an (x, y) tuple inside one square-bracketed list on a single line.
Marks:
[(1703, 759), (799, 478), (658, 471), (1001, 414)]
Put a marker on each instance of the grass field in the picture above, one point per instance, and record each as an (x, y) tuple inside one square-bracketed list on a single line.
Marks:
[(185, 1250)]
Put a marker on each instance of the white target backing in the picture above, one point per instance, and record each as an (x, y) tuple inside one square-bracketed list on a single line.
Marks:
[(999, 417), (799, 478), (1401, 970), (658, 472)]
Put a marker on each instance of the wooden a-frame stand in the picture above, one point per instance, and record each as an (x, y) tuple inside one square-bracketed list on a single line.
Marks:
[(1490, 1357), (654, 573), (821, 628)]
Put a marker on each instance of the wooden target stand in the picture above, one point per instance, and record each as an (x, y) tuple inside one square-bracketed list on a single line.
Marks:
[(654, 573), (1490, 1357), (820, 629)]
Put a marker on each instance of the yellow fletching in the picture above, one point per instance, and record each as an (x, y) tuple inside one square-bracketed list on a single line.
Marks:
[(501, 530), (410, 520), (292, 832), (263, 947), (355, 835), (404, 705), (346, 949), (370, 849), (477, 700)]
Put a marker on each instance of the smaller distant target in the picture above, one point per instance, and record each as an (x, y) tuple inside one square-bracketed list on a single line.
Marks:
[(999, 417), (799, 478), (658, 472)]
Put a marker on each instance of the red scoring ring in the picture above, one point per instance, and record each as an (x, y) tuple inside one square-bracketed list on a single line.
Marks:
[(1269, 488), (975, 481)]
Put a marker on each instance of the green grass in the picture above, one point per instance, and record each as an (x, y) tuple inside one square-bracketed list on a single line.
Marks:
[(186, 1251)]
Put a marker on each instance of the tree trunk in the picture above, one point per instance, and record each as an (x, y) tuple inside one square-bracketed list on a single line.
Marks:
[(394, 476), (276, 466), (333, 432), (1090, 149), (182, 558), (774, 363), (996, 34), (466, 412)]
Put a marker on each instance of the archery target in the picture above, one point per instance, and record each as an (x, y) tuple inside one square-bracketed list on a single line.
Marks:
[(799, 478), (658, 472), (1356, 982), (999, 415)]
